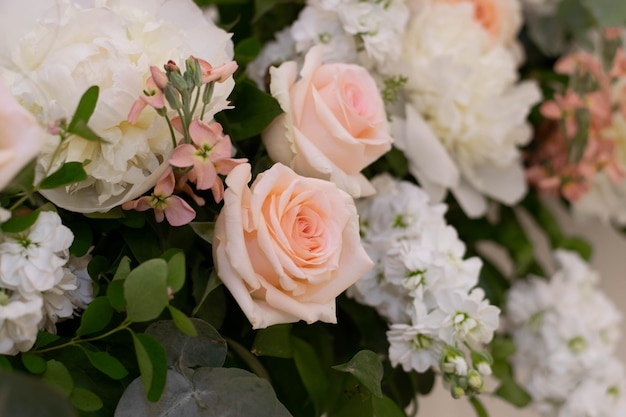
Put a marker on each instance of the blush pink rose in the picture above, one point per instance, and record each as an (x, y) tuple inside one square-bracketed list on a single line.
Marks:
[(334, 123), (287, 246), (21, 137)]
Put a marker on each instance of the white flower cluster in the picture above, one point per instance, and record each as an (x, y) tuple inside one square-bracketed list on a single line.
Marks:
[(422, 285), (367, 32), (37, 285), (465, 116), (566, 331)]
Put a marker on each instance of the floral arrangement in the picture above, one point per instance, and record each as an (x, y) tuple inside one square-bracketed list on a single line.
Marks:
[(285, 207)]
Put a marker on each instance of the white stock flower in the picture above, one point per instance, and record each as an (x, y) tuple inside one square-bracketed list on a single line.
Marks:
[(56, 303), (32, 261), (280, 50), (414, 347), (566, 331), (19, 320), (465, 109), (66, 48)]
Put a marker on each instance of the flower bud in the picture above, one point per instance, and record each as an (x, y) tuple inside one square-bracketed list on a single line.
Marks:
[(159, 77), (475, 380), (178, 81), (457, 392), (172, 97), (171, 67), (194, 70)]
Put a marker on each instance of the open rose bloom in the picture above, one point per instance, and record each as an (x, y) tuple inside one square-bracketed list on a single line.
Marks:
[(287, 246), (334, 123)]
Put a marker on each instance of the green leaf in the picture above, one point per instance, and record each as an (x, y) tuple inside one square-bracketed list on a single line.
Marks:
[(246, 50), (261, 7), (204, 230), (502, 347), (512, 392), (83, 238), (143, 246), (34, 363), (311, 372), (5, 364), (18, 391), (274, 341), (176, 269), (575, 17), (152, 365), (123, 269), (385, 407), (115, 294), (96, 317), (367, 368), (106, 364), (206, 392), (81, 129), (478, 407), (19, 224), (182, 321), (86, 107), (45, 338), (145, 290), (208, 348), (69, 173), (254, 111), (607, 13), (578, 245), (57, 374), (214, 282), (85, 400)]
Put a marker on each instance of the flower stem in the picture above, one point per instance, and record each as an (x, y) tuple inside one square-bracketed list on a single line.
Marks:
[(76, 342)]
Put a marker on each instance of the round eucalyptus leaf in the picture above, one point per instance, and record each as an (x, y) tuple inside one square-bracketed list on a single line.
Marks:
[(208, 348), (206, 392)]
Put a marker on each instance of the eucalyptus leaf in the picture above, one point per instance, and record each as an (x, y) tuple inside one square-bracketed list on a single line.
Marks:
[(69, 173), (175, 269), (57, 374), (208, 348), (17, 393), (311, 372), (152, 362), (96, 317), (204, 230), (210, 392), (85, 400), (385, 407), (274, 341), (145, 290), (106, 364), (367, 368)]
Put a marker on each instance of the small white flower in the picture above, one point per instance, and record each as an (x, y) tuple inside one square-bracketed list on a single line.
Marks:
[(414, 347), (19, 320)]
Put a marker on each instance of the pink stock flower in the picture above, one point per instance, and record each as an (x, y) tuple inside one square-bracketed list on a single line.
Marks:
[(153, 95), (219, 73), (209, 155), (165, 205)]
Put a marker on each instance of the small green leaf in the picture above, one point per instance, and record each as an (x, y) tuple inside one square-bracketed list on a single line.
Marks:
[(19, 224), (69, 173), (96, 317), (115, 294), (254, 111), (81, 129), (176, 269), (247, 49), (106, 364), (385, 407), (145, 290), (86, 107), (502, 347), (152, 365), (214, 282), (45, 338), (311, 372), (5, 365), (57, 374), (204, 230), (85, 400), (182, 321), (83, 238), (512, 392), (367, 368), (274, 341), (578, 245), (123, 269), (33, 363)]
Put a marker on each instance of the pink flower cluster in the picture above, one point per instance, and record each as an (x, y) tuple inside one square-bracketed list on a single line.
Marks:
[(202, 153), (576, 142)]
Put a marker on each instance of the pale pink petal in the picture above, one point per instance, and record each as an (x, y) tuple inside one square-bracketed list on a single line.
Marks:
[(165, 185), (182, 157), (136, 110), (178, 212)]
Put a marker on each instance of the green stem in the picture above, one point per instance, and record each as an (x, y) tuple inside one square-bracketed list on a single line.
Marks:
[(75, 342), (195, 103), (169, 124)]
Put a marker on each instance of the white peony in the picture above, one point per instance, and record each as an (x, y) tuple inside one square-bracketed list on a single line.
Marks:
[(64, 49), (464, 108)]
